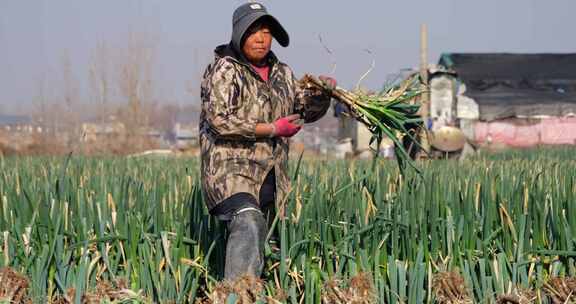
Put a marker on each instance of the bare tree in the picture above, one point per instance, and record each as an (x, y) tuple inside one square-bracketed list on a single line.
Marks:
[(69, 117), (39, 112), (136, 80), (99, 76)]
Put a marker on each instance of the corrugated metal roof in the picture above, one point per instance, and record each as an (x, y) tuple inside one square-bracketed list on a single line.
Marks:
[(512, 85)]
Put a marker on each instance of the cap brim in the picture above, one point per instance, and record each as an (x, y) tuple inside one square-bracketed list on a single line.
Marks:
[(278, 31)]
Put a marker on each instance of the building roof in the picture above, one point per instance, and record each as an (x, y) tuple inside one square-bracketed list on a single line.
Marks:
[(512, 85), (187, 116), (11, 120)]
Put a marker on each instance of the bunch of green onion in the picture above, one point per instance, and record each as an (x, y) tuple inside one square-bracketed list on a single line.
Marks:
[(391, 113)]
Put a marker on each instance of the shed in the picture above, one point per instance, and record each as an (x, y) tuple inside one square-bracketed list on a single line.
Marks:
[(518, 100)]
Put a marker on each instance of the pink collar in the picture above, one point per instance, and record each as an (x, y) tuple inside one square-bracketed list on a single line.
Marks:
[(263, 71)]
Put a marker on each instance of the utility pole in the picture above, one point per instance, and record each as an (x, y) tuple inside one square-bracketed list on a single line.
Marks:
[(425, 97)]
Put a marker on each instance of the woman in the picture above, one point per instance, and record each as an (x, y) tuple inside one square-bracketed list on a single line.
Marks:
[(251, 106)]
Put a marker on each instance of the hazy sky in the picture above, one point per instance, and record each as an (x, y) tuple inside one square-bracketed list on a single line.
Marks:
[(35, 36)]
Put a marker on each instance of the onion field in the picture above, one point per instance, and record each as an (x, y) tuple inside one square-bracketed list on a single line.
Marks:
[(494, 229)]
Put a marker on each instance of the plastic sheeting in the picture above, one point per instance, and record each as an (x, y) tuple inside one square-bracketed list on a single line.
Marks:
[(517, 85), (523, 133)]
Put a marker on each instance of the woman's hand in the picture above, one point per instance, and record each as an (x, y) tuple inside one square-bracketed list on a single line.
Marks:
[(284, 127), (329, 82)]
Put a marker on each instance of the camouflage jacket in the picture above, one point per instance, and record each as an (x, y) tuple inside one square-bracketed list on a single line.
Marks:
[(235, 99)]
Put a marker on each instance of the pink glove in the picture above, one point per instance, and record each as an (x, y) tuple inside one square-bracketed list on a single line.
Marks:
[(286, 126), (328, 81)]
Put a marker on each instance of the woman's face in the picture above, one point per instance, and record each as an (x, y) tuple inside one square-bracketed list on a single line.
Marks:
[(258, 43)]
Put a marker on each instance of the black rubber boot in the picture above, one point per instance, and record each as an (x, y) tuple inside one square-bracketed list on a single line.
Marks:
[(245, 246)]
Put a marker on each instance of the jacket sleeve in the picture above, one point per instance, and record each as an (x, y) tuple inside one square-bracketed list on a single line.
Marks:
[(310, 104), (222, 104)]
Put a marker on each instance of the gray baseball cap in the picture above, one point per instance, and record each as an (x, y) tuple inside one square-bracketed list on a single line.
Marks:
[(245, 15)]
